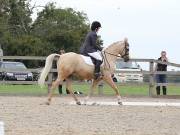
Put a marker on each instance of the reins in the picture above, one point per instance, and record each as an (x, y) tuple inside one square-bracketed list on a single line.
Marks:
[(105, 58), (111, 54)]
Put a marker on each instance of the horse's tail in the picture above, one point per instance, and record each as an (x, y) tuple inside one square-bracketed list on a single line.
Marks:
[(46, 69)]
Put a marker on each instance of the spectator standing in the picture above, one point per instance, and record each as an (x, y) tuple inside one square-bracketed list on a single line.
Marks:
[(161, 78)]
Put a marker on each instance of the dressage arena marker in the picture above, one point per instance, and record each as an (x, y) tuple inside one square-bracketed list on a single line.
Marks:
[(175, 104), (1, 128)]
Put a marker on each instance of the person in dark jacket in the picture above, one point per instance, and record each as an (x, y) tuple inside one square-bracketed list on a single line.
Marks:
[(90, 48), (161, 78)]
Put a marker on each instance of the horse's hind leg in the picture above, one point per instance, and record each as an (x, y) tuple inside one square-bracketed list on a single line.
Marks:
[(54, 85), (109, 80), (69, 87)]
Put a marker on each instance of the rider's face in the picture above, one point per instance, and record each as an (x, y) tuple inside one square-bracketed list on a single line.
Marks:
[(97, 29), (163, 54)]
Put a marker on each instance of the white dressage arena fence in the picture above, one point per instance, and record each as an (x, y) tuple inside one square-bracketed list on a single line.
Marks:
[(1, 128), (170, 104)]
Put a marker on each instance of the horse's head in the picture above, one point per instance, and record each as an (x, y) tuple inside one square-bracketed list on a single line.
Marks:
[(125, 50), (119, 48)]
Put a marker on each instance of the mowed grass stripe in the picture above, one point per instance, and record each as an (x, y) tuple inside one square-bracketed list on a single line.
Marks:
[(124, 90)]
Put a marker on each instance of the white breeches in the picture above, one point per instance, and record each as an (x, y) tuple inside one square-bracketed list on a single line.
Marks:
[(96, 55)]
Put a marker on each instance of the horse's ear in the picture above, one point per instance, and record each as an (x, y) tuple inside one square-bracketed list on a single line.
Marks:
[(125, 40)]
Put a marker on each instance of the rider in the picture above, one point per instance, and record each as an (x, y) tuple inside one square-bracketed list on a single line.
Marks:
[(90, 48)]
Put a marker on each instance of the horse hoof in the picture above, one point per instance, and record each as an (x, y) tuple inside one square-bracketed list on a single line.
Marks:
[(78, 103), (47, 103), (94, 103), (120, 103)]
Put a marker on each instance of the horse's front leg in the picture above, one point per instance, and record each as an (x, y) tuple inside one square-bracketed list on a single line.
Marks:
[(110, 81), (92, 89)]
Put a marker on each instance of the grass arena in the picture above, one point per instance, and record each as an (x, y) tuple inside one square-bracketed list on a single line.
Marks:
[(28, 115)]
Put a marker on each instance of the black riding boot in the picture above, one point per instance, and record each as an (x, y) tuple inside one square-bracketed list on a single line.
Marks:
[(158, 90), (97, 69), (164, 90)]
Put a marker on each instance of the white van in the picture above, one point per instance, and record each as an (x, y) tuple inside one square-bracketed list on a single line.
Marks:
[(127, 77)]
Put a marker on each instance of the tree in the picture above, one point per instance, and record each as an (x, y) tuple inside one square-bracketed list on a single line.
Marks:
[(63, 28), (53, 29), (19, 17), (15, 23), (3, 18)]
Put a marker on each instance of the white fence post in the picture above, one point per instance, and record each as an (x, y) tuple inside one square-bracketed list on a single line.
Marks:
[(1, 128)]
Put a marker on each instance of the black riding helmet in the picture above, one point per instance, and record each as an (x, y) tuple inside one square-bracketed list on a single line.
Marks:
[(95, 25)]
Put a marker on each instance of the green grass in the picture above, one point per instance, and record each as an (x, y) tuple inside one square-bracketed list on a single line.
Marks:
[(22, 89), (173, 90), (124, 90)]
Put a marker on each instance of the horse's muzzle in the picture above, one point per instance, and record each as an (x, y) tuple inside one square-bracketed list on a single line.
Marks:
[(126, 59)]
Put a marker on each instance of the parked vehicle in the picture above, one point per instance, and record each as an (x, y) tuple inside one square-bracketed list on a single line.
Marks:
[(14, 71), (36, 74), (127, 77)]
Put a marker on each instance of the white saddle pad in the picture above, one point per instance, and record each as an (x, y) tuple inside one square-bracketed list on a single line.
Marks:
[(87, 60)]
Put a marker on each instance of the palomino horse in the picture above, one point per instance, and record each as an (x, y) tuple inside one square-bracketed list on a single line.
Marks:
[(73, 64)]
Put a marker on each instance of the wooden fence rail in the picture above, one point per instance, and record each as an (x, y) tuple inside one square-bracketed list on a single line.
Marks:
[(150, 72)]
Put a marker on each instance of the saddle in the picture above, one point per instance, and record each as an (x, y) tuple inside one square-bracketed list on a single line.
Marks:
[(91, 61), (88, 60)]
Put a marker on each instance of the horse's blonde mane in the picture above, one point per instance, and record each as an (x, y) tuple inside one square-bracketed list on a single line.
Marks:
[(113, 44)]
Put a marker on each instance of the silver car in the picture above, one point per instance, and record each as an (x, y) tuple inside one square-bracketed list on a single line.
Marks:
[(127, 77)]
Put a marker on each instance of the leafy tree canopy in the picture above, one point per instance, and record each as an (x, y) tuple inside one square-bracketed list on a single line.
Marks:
[(53, 29)]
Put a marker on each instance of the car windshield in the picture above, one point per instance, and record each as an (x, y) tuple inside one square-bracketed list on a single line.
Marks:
[(14, 66), (129, 65)]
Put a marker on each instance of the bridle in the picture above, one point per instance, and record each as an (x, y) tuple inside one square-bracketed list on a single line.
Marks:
[(125, 50)]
